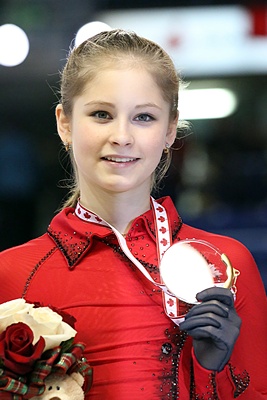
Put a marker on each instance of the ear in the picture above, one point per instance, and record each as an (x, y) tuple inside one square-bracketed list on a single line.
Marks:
[(172, 130), (63, 124)]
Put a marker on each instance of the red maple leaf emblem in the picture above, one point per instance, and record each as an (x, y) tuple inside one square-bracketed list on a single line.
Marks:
[(161, 219), (87, 215), (98, 219), (171, 314), (79, 211), (160, 209), (164, 242), (170, 302), (163, 230)]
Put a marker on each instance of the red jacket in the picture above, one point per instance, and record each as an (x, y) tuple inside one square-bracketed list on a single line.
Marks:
[(134, 348)]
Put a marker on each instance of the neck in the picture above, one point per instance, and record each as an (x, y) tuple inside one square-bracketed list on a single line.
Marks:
[(118, 209)]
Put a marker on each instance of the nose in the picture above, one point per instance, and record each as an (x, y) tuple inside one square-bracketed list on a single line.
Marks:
[(121, 133)]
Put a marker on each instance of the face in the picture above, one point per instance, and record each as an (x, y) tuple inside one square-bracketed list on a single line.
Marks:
[(118, 129)]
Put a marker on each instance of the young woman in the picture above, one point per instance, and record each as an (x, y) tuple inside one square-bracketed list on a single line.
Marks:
[(118, 119)]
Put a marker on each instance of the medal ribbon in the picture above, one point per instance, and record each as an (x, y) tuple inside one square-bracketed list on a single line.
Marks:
[(164, 241)]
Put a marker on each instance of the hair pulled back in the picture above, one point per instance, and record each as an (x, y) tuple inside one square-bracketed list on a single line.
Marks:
[(122, 49)]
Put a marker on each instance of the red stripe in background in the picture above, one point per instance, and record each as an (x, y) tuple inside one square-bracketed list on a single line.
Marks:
[(259, 20)]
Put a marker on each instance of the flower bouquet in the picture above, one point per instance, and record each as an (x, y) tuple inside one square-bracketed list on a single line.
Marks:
[(35, 342)]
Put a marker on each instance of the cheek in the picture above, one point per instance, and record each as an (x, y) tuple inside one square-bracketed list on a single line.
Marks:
[(82, 142), (156, 147), (80, 153)]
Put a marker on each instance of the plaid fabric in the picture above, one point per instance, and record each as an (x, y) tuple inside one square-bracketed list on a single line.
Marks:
[(53, 362)]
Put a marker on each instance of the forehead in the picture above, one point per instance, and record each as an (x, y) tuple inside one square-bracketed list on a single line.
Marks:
[(124, 77)]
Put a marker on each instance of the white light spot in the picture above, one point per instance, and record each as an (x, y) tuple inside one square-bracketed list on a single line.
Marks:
[(89, 30), (14, 45), (206, 103)]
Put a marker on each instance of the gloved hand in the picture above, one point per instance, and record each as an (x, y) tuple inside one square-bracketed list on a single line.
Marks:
[(214, 326)]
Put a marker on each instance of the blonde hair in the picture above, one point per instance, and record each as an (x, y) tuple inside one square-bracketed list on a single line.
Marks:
[(120, 47)]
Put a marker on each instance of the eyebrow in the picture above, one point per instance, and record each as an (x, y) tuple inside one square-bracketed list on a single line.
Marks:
[(99, 103), (148, 105), (106, 103)]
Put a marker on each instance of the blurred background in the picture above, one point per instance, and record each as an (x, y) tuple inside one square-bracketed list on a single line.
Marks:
[(218, 179)]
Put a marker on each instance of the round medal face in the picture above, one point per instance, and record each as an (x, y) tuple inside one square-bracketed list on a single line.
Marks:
[(192, 265)]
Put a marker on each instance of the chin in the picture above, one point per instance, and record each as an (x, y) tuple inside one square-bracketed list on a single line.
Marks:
[(122, 187)]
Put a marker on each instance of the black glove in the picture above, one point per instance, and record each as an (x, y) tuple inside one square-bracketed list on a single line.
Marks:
[(214, 326)]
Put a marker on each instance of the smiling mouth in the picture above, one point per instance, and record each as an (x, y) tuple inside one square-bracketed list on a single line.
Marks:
[(120, 159)]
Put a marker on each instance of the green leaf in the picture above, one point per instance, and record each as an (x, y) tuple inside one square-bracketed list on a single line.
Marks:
[(65, 346)]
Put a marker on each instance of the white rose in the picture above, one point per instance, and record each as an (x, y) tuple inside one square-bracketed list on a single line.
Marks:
[(12, 312), (48, 324)]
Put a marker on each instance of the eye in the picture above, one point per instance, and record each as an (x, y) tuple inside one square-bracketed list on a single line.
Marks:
[(101, 114), (144, 118)]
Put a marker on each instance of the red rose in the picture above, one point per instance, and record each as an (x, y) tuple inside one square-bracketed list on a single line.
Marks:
[(17, 350)]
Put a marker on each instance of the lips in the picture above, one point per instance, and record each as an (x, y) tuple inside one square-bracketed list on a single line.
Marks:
[(120, 159)]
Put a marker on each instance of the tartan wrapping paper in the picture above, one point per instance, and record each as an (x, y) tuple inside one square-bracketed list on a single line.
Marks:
[(56, 361)]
